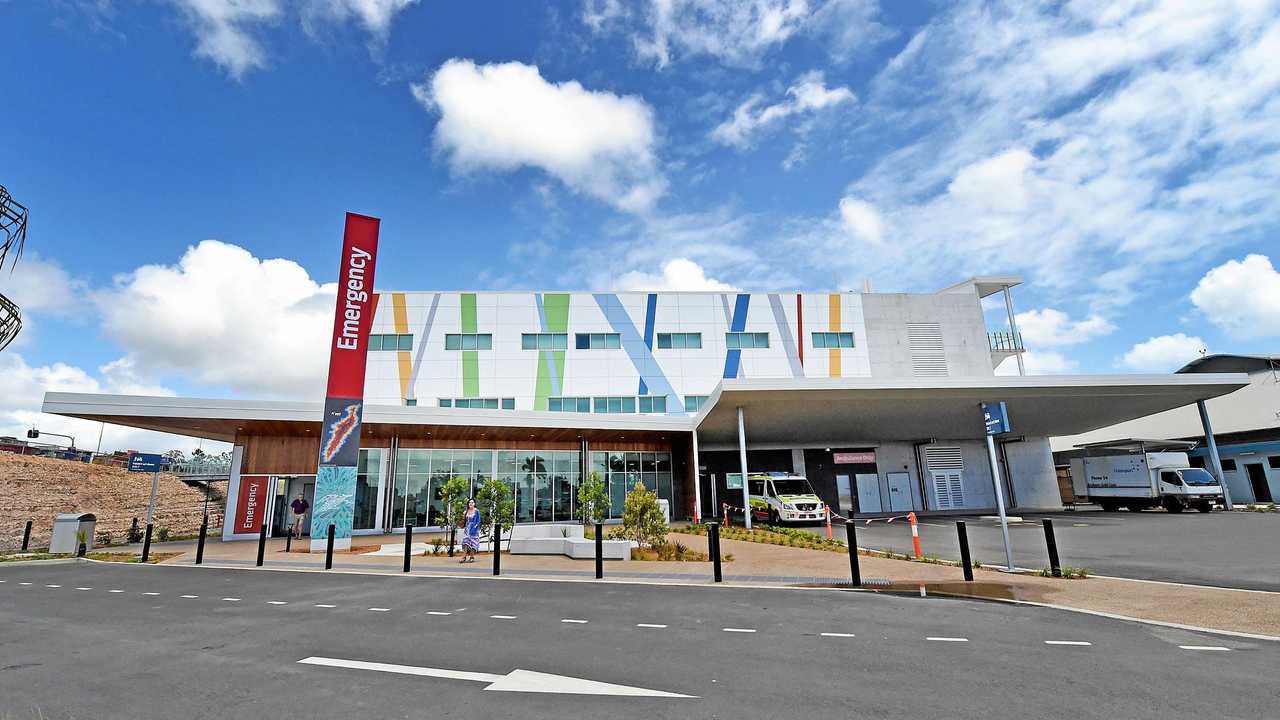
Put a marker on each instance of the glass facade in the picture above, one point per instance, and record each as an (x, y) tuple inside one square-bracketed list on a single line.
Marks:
[(421, 475), (368, 477), (545, 483), (622, 470)]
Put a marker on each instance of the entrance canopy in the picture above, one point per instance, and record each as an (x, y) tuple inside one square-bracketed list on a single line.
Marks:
[(838, 410)]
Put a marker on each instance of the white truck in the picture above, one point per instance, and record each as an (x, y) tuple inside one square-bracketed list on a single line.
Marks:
[(1141, 480)]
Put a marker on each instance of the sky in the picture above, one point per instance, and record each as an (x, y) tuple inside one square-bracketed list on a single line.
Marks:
[(187, 164)]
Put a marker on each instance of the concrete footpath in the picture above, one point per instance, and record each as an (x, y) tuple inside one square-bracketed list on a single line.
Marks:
[(758, 564)]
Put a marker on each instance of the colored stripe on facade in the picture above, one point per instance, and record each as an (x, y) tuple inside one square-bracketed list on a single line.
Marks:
[(784, 332), (423, 339), (553, 317), (404, 358), (833, 323), (650, 316), (733, 358), (640, 354), (470, 358), (800, 328)]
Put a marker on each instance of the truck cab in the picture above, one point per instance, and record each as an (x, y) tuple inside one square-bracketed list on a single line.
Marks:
[(779, 497)]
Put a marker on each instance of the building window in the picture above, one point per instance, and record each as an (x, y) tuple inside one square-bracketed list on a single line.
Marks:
[(746, 340), (693, 403), (544, 341), (1228, 465), (622, 470), (833, 340), (391, 342), (654, 404), (479, 403), (680, 341), (598, 341), (468, 341), (411, 402), (569, 404), (614, 405)]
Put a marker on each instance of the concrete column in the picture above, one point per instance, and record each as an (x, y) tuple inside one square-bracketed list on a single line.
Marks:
[(697, 482), (1013, 328), (742, 457), (797, 462), (1214, 460)]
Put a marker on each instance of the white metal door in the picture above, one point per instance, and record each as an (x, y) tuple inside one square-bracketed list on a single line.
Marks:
[(899, 491), (845, 493), (869, 493)]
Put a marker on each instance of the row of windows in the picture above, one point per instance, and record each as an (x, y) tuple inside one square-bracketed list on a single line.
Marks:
[(544, 341), (678, 341), (693, 403), (598, 341), (833, 340), (468, 341), (391, 342), (746, 340), (610, 404), (479, 403)]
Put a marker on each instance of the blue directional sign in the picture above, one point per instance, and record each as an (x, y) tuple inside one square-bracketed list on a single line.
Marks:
[(145, 462), (996, 416)]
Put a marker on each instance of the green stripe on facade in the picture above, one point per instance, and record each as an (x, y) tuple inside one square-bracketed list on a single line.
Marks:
[(555, 307), (470, 358)]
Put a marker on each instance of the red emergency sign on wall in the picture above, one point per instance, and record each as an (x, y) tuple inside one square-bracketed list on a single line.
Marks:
[(252, 506)]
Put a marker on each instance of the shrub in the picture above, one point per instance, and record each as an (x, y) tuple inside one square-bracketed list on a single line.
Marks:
[(642, 518), (494, 499), (162, 535), (437, 543), (593, 499)]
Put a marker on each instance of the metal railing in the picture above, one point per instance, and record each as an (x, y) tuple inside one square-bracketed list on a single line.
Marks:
[(1006, 342), (200, 469)]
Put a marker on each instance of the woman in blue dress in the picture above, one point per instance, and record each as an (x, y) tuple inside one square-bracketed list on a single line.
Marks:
[(470, 532)]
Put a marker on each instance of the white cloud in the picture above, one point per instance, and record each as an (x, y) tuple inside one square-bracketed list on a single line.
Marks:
[(22, 389), (677, 274), (374, 16), (1090, 148), (738, 33), (507, 116), (1242, 297), (862, 220), (223, 317), (806, 96), (1164, 353), (40, 285), (1038, 363), (225, 31), (1053, 328)]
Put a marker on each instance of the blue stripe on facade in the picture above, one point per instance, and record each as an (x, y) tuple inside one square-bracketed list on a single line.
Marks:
[(733, 358), (641, 356), (650, 313)]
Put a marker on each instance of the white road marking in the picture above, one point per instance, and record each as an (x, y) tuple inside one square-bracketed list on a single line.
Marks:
[(438, 612), (84, 588), (503, 617), (115, 591), (379, 609), (1068, 642), (515, 681), (574, 622), (232, 599), (277, 602), (947, 639), (190, 597), (24, 583), (740, 630), (150, 593), (843, 635), (650, 625), (1217, 648), (53, 586), (323, 605)]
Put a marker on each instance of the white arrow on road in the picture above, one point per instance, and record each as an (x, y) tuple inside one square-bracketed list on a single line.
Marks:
[(515, 681)]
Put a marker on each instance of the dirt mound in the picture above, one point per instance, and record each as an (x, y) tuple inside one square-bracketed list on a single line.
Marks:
[(39, 488)]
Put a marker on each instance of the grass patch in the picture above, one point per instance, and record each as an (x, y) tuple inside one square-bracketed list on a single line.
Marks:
[(1068, 572), (93, 555), (672, 552), (22, 557), (770, 535)]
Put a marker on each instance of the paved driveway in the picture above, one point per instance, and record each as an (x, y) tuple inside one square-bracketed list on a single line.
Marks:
[(1228, 549)]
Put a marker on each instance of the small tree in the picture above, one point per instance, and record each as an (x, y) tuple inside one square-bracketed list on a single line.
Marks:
[(642, 518), (454, 493), (495, 500), (593, 499)]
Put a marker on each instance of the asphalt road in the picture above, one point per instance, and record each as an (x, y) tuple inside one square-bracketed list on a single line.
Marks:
[(180, 642), (1225, 549)]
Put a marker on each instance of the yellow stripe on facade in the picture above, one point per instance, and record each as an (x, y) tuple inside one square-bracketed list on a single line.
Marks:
[(833, 323), (404, 359)]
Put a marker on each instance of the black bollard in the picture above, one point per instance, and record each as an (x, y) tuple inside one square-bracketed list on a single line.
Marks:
[(328, 550), (962, 533), (713, 540), (146, 544), (133, 531), (851, 536), (26, 537), (599, 550), (1052, 544), (452, 529), (496, 547), (262, 542), (288, 541), (408, 543), (204, 530)]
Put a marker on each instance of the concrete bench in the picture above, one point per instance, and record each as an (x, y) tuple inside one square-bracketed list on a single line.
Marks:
[(585, 549), (564, 540)]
